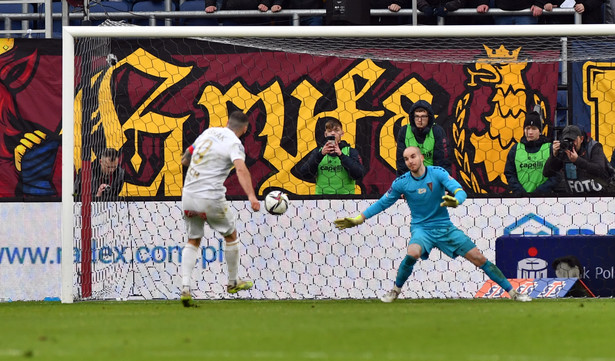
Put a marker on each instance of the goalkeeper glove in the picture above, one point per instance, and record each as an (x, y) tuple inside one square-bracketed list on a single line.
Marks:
[(449, 201), (348, 222)]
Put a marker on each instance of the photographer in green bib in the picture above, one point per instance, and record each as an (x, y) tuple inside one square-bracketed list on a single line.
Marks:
[(527, 158), (422, 132), (335, 166)]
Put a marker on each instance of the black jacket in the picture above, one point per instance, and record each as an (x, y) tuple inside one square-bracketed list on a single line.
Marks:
[(303, 4), (115, 180), (510, 170), (589, 174), (351, 162), (243, 4), (517, 4), (384, 4), (440, 152), (450, 5)]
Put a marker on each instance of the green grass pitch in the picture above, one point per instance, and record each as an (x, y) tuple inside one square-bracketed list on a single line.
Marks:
[(439, 330)]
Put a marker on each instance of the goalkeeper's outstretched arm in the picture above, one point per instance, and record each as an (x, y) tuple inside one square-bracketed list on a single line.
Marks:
[(349, 222)]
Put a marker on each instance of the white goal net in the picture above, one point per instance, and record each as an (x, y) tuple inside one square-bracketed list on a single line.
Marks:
[(146, 93)]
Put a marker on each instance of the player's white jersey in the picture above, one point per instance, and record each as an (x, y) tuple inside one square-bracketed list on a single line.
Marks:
[(213, 153)]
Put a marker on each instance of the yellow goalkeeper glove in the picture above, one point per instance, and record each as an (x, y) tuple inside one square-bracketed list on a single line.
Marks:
[(348, 222), (449, 201)]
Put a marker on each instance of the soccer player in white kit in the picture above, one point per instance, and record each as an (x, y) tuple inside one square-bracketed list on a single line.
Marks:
[(210, 160)]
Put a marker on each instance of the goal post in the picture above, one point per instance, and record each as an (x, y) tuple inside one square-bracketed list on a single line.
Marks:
[(313, 267)]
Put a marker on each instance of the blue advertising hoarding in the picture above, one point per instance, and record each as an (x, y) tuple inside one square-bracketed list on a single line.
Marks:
[(525, 256)]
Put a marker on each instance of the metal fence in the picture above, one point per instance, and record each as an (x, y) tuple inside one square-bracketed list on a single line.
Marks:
[(49, 23)]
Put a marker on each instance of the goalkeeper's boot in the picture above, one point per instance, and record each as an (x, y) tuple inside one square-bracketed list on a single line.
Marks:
[(187, 300), (239, 285), (517, 296), (391, 295)]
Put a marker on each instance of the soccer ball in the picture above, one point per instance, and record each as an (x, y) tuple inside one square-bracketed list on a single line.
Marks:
[(276, 202)]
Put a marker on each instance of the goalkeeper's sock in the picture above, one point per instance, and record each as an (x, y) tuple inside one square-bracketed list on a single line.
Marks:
[(231, 253), (404, 270), (496, 275), (189, 254)]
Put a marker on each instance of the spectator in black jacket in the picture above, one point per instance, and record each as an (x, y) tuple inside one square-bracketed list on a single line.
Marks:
[(580, 161), (107, 177), (526, 160), (422, 131), (391, 5), (536, 6), (591, 11), (336, 166), (307, 5), (434, 8), (261, 5)]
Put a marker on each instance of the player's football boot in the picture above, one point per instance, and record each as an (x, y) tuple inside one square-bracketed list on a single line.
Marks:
[(521, 297), (187, 300), (390, 296), (239, 285)]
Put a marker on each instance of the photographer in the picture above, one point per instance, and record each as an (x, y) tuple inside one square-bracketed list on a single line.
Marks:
[(107, 177), (335, 166), (580, 161)]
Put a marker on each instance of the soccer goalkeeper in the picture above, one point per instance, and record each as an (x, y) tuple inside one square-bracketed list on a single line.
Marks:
[(424, 188)]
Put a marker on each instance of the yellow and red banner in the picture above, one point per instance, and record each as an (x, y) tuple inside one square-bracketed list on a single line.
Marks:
[(155, 97)]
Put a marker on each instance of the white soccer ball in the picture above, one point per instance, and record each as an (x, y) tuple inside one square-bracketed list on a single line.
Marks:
[(276, 202)]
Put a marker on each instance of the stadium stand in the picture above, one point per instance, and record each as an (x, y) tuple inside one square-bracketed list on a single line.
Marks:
[(10, 23)]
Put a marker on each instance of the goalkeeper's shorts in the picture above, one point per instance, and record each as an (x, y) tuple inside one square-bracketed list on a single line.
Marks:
[(450, 240)]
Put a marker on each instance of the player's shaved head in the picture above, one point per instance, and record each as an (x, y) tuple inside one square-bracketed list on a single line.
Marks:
[(412, 150)]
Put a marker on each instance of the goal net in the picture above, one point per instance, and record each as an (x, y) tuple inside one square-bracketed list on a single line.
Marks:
[(145, 94)]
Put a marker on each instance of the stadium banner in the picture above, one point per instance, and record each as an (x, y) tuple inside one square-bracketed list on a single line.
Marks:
[(522, 256), (299, 255), (153, 97)]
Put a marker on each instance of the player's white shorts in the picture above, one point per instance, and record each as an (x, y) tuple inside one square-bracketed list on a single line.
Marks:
[(216, 212)]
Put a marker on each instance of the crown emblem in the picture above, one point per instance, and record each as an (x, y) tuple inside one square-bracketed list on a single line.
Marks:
[(500, 55), (6, 44)]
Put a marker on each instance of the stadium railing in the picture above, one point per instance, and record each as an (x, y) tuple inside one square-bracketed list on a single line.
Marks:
[(170, 18), (27, 17)]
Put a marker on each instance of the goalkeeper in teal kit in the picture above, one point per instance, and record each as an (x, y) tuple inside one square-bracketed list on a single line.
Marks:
[(424, 188)]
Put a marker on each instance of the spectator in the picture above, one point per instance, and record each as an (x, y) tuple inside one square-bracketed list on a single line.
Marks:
[(580, 161), (422, 131), (391, 5), (591, 11), (527, 158), (309, 5), (439, 8), (260, 5), (536, 6), (107, 176), (480, 19), (335, 166)]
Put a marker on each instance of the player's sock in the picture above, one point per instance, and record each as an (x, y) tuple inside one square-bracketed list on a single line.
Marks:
[(189, 254), (496, 275), (404, 270), (231, 253)]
